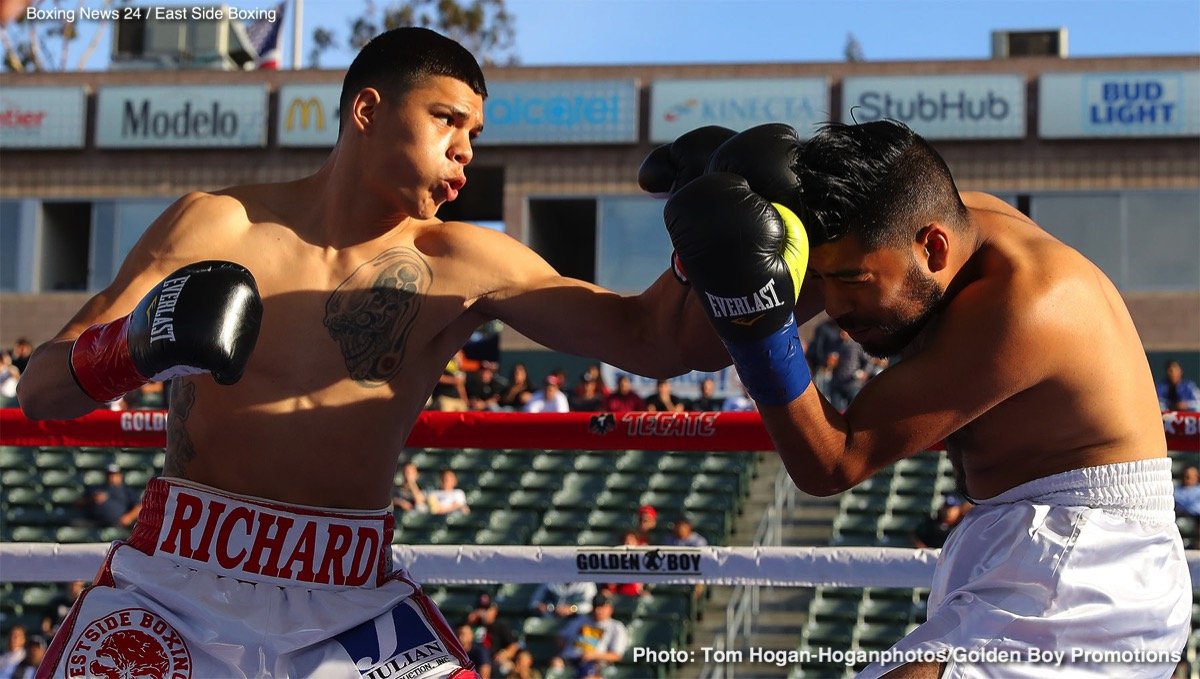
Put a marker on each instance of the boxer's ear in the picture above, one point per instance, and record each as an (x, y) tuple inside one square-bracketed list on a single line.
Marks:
[(932, 246)]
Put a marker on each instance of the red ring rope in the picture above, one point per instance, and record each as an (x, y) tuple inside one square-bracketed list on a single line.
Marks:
[(582, 431)]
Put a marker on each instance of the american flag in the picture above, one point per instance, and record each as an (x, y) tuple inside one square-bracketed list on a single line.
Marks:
[(264, 36)]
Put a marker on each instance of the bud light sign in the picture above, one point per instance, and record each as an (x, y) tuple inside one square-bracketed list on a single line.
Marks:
[(941, 107), (1132, 104)]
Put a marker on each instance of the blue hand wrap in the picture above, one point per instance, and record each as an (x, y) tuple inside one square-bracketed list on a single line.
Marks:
[(773, 369)]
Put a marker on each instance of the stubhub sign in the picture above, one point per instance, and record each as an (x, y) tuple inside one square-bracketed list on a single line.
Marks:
[(1131, 104), (941, 107), (560, 112)]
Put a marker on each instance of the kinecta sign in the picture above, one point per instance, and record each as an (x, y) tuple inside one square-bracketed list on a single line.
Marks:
[(1132, 104), (677, 106), (141, 117), (941, 107)]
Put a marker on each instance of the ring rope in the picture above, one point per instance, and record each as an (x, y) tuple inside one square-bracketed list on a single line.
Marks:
[(488, 564), (694, 431)]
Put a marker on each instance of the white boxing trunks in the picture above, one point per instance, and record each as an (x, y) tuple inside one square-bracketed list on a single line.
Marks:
[(212, 584), (1079, 574)]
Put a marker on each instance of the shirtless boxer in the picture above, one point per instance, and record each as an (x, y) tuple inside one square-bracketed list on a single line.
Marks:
[(1016, 350), (265, 548)]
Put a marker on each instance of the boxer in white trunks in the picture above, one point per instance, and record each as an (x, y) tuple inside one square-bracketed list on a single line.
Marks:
[(1015, 350), (325, 310)]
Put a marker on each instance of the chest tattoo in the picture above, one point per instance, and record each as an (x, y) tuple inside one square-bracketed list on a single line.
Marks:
[(371, 314)]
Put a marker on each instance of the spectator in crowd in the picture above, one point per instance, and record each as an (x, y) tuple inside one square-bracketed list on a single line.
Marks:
[(9, 376), (21, 352), (933, 531), (647, 521), (1176, 393), (1187, 493), (824, 342), (624, 399), (663, 401), (850, 372), (822, 377), (450, 392), (523, 667), (550, 399), (494, 635), (683, 534), (114, 503), (563, 599), (15, 652), (477, 653), (59, 608), (408, 496), (586, 397), (35, 650), (449, 498), (485, 387), (629, 539), (592, 374), (741, 403), (592, 642), (708, 402), (519, 389)]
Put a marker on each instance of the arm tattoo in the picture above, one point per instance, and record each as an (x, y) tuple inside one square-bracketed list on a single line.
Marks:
[(180, 450), (372, 312)]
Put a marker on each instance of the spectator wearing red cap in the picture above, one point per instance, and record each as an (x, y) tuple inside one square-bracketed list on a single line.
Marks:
[(647, 521), (550, 399)]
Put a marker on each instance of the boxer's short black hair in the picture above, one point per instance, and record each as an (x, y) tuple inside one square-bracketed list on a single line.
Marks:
[(880, 181), (400, 59)]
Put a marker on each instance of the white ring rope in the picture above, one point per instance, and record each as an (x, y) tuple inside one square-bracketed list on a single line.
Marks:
[(488, 564)]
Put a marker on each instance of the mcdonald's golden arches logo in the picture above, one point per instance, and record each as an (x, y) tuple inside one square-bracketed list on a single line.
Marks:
[(309, 110)]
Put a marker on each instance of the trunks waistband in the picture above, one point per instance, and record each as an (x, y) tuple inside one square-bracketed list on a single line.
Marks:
[(263, 541), (1141, 490)]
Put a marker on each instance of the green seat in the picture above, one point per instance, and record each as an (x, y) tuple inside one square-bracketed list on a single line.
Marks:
[(734, 463), (455, 605), (513, 599), (554, 536), (585, 482), (113, 533), (453, 535), (541, 626), (61, 477), (134, 458), (566, 518), (667, 501), (421, 520), (32, 534), (94, 477), (28, 496), (645, 461), (596, 462), (513, 535), (38, 596), (54, 458), (723, 484), (816, 635), (627, 481), (138, 478), (841, 611), (895, 530), (17, 457), (502, 479), (510, 461), (503, 518), (609, 521), (879, 637), (65, 495), (558, 463), (96, 458), (76, 534), (672, 606), (617, 499), (483, 500), (535, 479), (531, 498), (895, 612), (681, 463), (428, 461), (670, 483), (470, 459), (568, 498), (597, 538)]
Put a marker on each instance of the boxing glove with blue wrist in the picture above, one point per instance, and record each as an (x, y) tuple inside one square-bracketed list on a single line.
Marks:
[(745, 258)]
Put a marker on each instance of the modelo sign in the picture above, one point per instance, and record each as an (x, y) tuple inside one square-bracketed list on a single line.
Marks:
[(181, 117), (41, 117), (1132, 104), (677, 106), (308, 115), (941, 107), (561, 112)]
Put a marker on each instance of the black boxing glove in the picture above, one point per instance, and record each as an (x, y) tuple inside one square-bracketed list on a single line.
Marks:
[(204, 317), (669, 167), (766, 156), (746, 258)]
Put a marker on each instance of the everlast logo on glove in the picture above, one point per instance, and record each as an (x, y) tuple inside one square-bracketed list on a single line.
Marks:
[(731, 307), (259, 542), (161, 326)]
